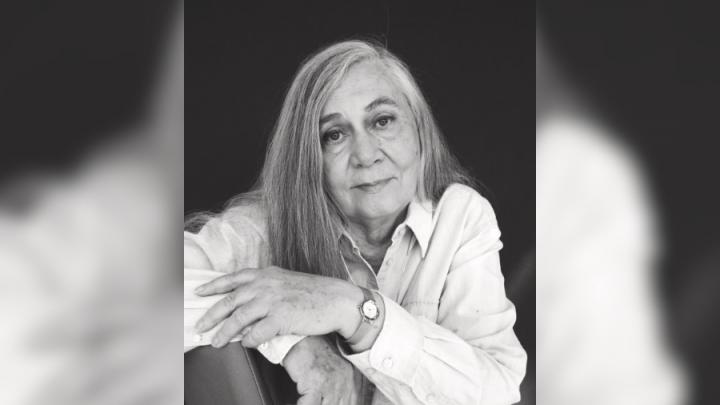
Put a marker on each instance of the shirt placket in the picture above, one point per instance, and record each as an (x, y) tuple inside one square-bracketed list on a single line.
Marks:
[(390, 271), (368, 388)]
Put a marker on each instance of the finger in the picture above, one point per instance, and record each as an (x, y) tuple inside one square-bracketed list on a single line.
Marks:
[(227, 282), (311, 398), (223, 308), (262, 331), (242, 317)]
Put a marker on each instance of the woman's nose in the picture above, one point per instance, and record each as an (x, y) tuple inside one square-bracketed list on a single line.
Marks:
[(366, 151)]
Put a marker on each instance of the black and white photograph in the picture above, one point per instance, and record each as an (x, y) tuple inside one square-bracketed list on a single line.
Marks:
[(380, 202), (367, 233)]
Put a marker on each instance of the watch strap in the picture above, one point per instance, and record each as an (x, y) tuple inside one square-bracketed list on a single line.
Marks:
[(365, 325)]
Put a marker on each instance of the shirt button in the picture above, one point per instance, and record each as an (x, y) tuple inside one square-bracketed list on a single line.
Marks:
[(263, 346), (197, 338), (369, 371), (388, 362), (430, 398)]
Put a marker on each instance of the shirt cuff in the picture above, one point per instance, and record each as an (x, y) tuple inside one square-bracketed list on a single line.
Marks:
[(278, 347), (397, 349), (195, 307)]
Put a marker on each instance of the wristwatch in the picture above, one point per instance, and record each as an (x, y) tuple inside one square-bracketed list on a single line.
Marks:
[(369, 313)]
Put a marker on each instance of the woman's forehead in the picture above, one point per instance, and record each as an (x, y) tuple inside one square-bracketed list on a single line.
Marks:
[(361, 85)]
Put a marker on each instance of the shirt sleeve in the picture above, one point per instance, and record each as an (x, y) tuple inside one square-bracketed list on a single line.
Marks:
[(471, 355), (220, 247)]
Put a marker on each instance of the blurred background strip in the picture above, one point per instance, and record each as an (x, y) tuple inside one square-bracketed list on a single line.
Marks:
[(91, 122)]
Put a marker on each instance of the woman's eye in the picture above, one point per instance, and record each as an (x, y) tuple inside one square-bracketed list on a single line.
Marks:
[(332, 136), (383, 122)]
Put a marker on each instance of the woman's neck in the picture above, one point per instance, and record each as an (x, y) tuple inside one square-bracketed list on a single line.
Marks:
[(373, 237)]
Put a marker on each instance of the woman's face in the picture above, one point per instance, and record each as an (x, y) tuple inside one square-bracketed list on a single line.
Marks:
[(371, 153)]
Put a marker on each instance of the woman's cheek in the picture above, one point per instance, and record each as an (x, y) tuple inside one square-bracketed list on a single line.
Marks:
[(407, 150), (335, 174)]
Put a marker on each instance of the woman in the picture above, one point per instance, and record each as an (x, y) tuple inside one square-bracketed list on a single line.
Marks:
[(363, 229)]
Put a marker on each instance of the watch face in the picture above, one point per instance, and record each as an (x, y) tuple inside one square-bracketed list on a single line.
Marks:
[(370, 310)]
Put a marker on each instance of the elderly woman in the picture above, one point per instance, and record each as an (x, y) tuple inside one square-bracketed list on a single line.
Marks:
[(363, 261)]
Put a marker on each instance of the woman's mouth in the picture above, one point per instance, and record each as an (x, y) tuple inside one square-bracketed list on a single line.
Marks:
[(374, 186)]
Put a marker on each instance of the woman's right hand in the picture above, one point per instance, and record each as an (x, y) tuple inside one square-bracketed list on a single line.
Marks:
[(322, 375)]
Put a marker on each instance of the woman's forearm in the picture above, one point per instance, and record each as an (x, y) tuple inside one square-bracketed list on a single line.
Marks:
[(347, 314)]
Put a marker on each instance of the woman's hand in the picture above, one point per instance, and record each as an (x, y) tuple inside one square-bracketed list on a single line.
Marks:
[(322, 375), (263, 303)]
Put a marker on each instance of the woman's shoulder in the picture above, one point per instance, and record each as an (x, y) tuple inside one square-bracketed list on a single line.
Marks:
[(463, 212), (241, 217), (460, 198), (235, 238), (246, 217)]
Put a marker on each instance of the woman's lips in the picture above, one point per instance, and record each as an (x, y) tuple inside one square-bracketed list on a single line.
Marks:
[(373, 187)]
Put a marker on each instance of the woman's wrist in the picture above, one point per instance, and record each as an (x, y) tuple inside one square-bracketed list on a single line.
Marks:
[(296, 352), (351, 296), (371, 336), (303, 353)]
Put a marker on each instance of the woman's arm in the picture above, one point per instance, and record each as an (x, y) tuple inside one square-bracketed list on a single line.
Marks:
[(319, 371), (193, 255), (211, 253)]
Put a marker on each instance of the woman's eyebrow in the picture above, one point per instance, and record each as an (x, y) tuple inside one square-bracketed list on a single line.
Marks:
[(378, 102), (328, 117), (373, 104)]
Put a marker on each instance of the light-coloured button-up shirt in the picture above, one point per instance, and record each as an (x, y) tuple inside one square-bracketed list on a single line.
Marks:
[(447, 336)]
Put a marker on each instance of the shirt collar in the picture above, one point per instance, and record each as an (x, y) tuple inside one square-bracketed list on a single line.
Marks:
[(419, 219)]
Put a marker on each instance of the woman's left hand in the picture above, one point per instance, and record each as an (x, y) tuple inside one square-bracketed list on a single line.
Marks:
[(264, 303), (321, 373)]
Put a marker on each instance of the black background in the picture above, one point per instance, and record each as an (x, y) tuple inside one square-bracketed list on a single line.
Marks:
[(475, 64), (74, 74)]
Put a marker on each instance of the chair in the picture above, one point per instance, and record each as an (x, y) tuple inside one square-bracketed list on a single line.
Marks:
[(234, 375)]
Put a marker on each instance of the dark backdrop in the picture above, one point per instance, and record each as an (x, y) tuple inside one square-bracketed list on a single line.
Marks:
[(475, 65), (74, 74)]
